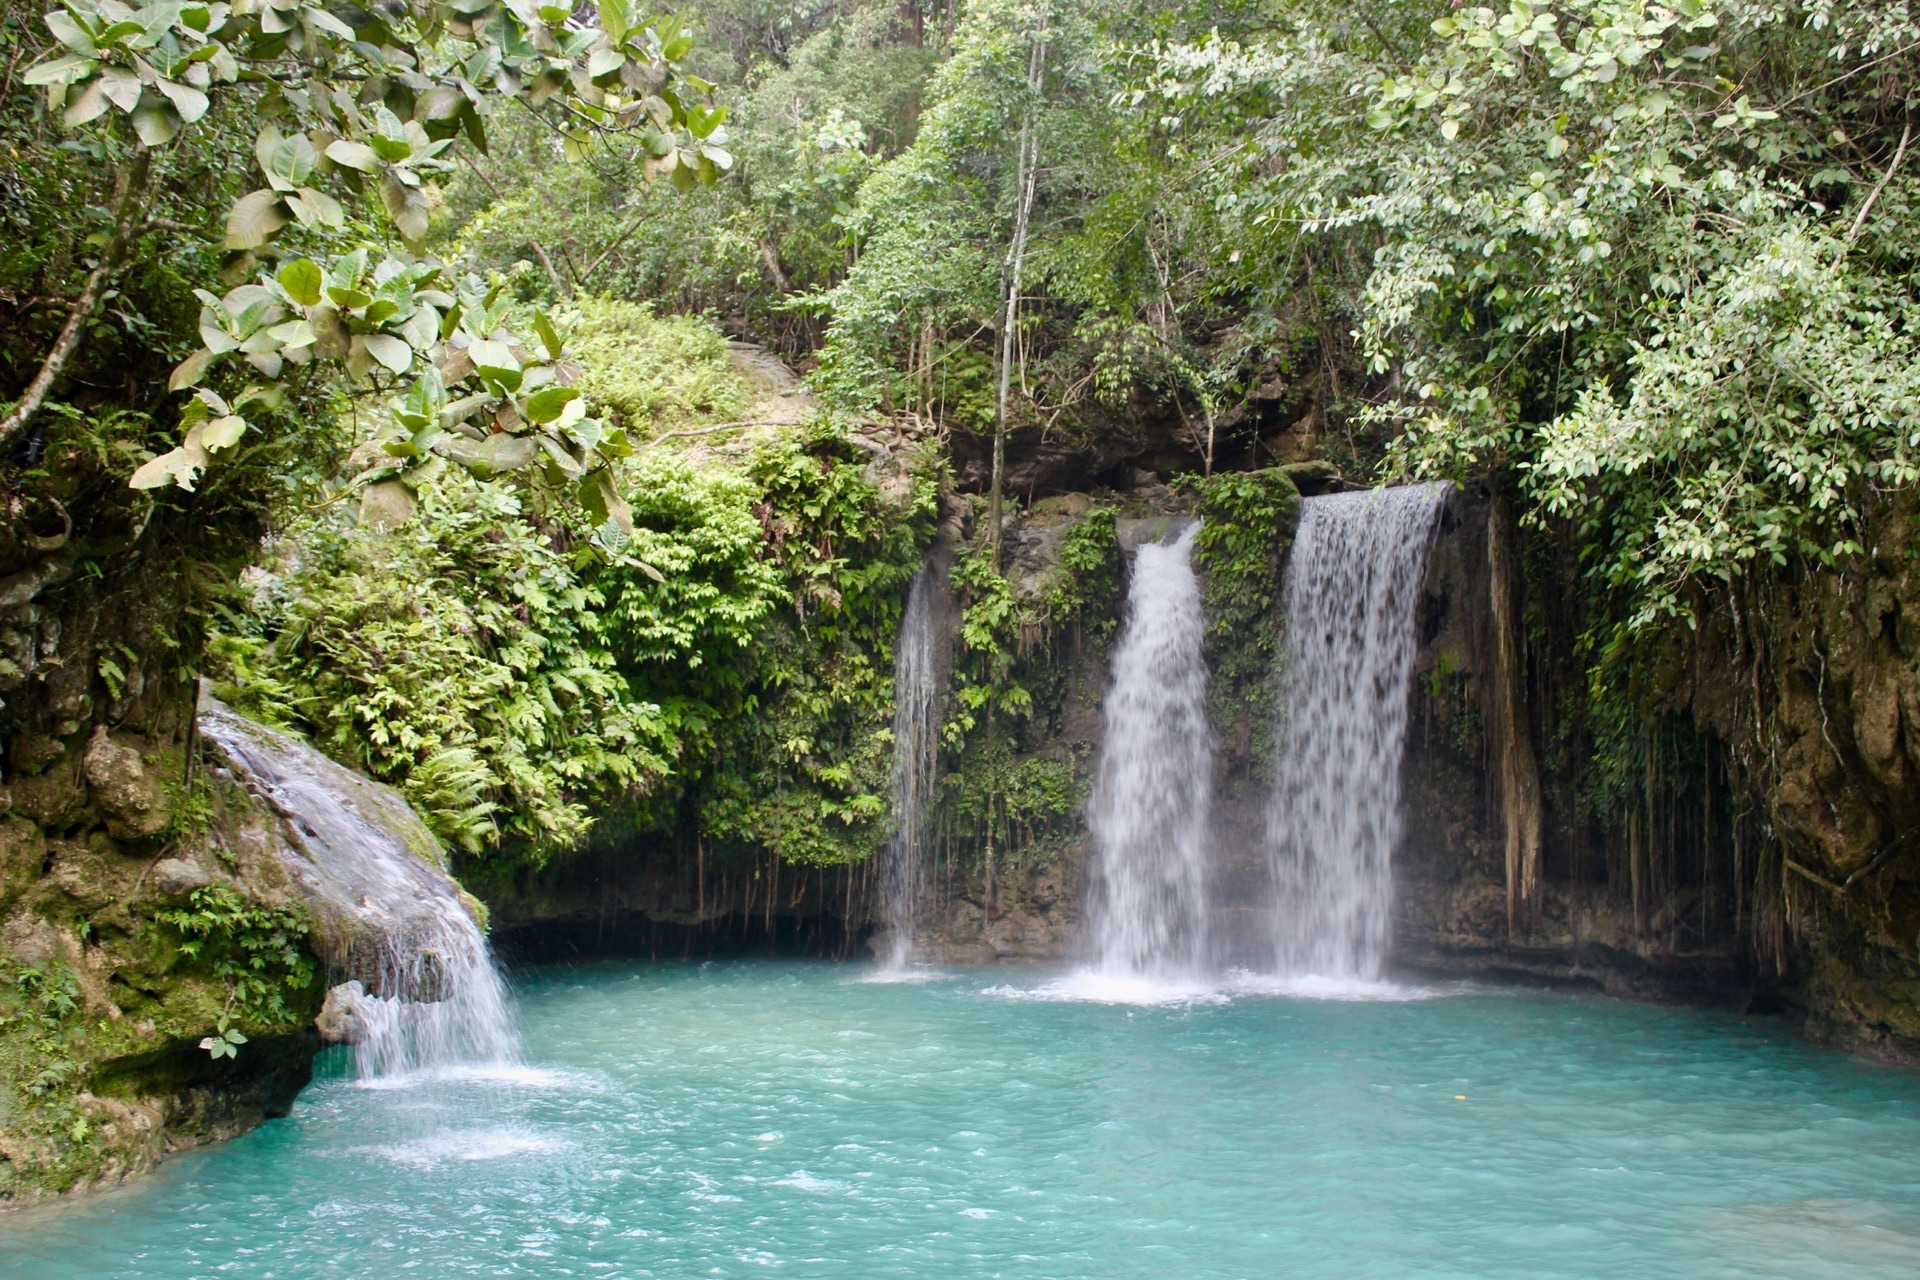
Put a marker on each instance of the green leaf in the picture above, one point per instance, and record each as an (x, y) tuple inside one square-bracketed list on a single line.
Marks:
[(187, 100), (604, 62), (189, 371), (68, 31), (495, 358), (175, 467), (89, 104), (156, 125), (287, 161), (354, 155), (615, 19), (599, 492), (64, 70), (293, 334), (545, 405), (390, 351), (407, 208), (254, 219), (222, 433), (317, 208), (302, 279), (549, 336), (122, 87), (496, 455), (442, 102)]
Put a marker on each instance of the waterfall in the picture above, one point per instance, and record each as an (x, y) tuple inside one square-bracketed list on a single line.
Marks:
[(916, 743), (1153, 785), (419, 987), (1352, 583)]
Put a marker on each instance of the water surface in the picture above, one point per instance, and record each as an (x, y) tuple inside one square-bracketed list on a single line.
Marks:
[(753, 1118)]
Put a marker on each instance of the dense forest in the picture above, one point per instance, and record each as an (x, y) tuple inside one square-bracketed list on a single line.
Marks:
[(411, 375)]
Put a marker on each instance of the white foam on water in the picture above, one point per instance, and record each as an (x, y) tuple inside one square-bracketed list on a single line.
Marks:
[(911, 976), (1098, 986), (1346, 987), (465, 1146), (801, 1180), (505, 1074)]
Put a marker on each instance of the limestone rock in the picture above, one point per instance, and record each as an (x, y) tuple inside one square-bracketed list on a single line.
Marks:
[(178, 877), (131, 799), (340, 1017), (23, 851), (56, 800)]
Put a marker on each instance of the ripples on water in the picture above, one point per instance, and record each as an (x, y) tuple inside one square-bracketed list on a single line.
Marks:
[(735, 1120)]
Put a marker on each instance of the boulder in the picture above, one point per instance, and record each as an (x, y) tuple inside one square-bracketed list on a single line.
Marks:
[(340, 1020), (129, 797), (178, 877)]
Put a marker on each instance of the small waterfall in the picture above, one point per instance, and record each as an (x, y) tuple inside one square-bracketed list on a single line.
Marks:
[(1352, 583), (1148, 812), (419, 987), (916, 745)]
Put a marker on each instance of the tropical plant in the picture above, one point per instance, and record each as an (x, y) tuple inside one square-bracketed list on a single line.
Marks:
[(359, 100)]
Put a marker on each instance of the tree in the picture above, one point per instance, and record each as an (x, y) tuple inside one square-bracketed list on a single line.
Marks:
[(1025, 174), (362, 100)]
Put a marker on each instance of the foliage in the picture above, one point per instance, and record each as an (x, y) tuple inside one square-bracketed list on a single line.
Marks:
[(728, 666), (802, 768), (423, 75), (258, 952), (1247, 520), (463, 656), (1001, 795), (1648, 261), (820, 103), (648, 374)]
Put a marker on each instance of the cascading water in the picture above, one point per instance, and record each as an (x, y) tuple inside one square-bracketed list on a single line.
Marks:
[(916, 742), (1154, 784), (1352, 584), (422, 990)]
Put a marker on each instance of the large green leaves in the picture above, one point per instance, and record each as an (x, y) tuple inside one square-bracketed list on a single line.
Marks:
[(343, 107)]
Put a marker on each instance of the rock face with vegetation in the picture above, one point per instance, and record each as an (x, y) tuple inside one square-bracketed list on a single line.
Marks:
[(168, 936), (128, 943)]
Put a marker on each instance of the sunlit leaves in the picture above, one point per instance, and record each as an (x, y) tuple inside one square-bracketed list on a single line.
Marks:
[(345, 108)]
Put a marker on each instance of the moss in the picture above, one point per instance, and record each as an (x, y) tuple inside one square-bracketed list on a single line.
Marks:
[(1250, 517), (1018, 761), (99, 1030)]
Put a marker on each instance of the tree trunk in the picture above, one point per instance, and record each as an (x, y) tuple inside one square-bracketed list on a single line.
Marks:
[(1520, 794), (129, 186), (1024, 179)]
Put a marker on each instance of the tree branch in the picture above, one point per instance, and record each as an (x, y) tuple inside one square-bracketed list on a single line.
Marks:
[(1899, 154), (129, 184), (540, 251)]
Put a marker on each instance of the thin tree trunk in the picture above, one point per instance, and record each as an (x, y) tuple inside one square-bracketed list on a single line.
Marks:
[(770, 255), (129, 186), (1024, 180)]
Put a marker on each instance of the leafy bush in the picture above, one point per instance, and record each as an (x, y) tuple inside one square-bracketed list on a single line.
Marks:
[(651, 373), (462, 657)]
